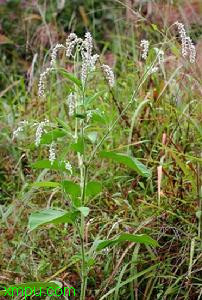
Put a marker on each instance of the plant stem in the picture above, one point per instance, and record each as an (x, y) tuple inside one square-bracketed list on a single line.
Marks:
[(82, 235), (84, 271)]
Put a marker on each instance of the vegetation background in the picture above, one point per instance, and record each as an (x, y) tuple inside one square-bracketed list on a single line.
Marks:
[(166, 132)]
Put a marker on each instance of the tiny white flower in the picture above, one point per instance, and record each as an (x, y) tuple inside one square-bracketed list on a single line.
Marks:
[(52, 155), (144, 44), (160, 55), (39, 132), (192, 50), (153, 70), (183, 37), (88, 60), (54, 53), (109, 74), (71, 43), (89, 115), (20, 128), (68, 166), (71, 102), (87, 46), (187, 44), (93, 60), (42, 80), (84, 70)]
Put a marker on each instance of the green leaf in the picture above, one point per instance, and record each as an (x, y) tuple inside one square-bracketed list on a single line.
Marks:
[(90, 99), (33, 285), (129, 161), (92, 136), (71, 77), (71, 188), (98, 117), (198, 214), (84, 210), (46, 164), (93, 188), (50, 216), (126, 237), (155, 27), (53, 135), (46, 184), (79, 146), (80, 116)]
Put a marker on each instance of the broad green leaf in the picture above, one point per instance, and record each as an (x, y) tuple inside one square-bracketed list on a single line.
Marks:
[(48, 137), (79, 146), (50, 216), (129, 161), (93, 188), (126, 237), (32, 285), (84, 210), (46, 184), (71, 188), (46, 164), (71, 77)]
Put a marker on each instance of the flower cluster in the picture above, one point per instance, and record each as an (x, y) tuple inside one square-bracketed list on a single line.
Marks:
[(71, 42), (85, 46), (68, 166), (88, 60), (187, 44), (54, 53), (192, 51), (20, 128), (52, 154), (71, 102), (39, 131), (42, 80), (152, 70), (144, 44), (160, 55), (109, 74)]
